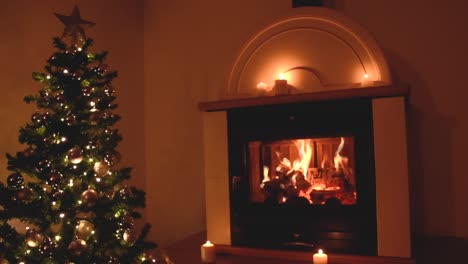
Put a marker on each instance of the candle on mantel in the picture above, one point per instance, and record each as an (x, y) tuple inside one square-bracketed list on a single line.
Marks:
[(262, 88), (366, 81), (208, 252), (320, 257), (281, 85)]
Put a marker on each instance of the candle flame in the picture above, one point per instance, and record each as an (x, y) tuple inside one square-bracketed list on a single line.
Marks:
[(281, 76), (366, 76), (208, 244), (320, 251)]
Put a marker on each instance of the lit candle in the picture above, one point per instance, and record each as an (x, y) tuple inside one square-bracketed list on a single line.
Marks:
[(320, 257), (262, 88), (366, 81), (281, 85), (208, 252)]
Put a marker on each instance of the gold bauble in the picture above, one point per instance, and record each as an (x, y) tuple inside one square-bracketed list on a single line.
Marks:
[(33, 238), (77, 247), (75, 155), (101, 168), (89, 197), (84, 229)]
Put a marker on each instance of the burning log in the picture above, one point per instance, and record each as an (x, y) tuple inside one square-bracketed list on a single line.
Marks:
[(301, 182)]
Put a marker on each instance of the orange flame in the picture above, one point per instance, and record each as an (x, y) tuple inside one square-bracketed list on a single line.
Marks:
[(340, 162), (265, 174)]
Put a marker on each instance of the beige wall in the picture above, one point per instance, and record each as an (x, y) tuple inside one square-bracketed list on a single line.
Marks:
[(185, 56), (189, 49), (426, 46), (190, 46)]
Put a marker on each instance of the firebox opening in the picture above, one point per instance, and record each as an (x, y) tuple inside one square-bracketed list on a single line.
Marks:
[(302, 176), (315, 171)]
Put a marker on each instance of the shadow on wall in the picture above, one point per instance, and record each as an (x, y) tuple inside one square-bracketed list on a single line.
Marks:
[(429, 152)]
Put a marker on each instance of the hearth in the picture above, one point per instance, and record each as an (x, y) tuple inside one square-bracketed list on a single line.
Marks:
[(302, 176)]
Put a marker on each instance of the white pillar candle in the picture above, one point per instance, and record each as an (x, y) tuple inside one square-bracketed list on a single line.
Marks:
[(208, 252), (366, 81), (320, 257)]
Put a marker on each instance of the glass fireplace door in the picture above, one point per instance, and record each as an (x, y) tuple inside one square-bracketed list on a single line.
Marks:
[(302, 176)]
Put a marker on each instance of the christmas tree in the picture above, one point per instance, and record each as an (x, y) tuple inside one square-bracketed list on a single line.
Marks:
[(66, 185)]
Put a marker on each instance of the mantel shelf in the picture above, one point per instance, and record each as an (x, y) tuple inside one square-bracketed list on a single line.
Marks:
[(333, 95)]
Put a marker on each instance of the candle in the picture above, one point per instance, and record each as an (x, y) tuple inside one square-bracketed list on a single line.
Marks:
[(366, 81), (262, 88), (281, 85), (320, 257), (208, 252)]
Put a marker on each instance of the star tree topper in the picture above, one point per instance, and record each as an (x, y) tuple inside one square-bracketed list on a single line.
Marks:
[(74, 26)]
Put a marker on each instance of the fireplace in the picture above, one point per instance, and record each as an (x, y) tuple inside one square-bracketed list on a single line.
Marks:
[(321, 163), (302, 176)]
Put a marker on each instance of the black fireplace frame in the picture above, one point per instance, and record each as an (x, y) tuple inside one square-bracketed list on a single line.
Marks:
[(350, 229)]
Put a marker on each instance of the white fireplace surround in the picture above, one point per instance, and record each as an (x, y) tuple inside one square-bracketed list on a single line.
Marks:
[(339, 53)]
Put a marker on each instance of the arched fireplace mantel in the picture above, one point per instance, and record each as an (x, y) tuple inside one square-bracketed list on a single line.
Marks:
[(315, 48)]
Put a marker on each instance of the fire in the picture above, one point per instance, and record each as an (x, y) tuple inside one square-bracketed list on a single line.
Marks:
[(340, 162), (265, 174), (305, 152), (304, 169)]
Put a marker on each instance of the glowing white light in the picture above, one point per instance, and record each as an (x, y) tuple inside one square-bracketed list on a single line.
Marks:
[(92, 103), (54, 203), (98, 179), (62, 215), (65, 71), (57, 238), (262, 86), (63, 139), (74, 166), (366, 75), (80, 202), (79, 49), (48, 77)]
